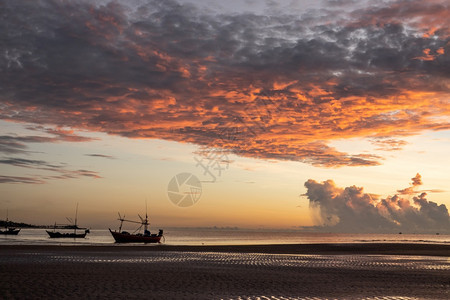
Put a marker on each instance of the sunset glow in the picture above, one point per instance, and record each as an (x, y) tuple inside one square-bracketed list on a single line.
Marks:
[(292, 115)]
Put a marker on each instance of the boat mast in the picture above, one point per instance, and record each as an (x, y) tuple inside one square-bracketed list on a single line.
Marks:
[(146, 218), (143, 222), (121, 221), (6, 222), (76, 215)]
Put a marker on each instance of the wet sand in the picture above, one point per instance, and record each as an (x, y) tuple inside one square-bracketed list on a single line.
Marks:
[(322, 271)]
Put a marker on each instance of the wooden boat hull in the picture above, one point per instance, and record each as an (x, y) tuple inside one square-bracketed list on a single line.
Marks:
[(121, 237), (57, 234), (10, 231)]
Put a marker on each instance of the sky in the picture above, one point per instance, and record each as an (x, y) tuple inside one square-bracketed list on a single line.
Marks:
[(319, 115)]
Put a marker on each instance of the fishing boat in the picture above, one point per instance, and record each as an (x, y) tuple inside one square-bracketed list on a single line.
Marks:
[(74, 234), (73, 225), (9, 230), (136, 237)]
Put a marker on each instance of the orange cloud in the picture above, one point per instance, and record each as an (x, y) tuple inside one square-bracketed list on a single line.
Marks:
[(428, 56), (187, 77)]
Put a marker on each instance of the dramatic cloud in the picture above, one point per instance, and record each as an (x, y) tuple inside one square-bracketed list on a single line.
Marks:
[(352, 210), (279, 87)]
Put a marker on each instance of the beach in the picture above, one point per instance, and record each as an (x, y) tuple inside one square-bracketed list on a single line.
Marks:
[(308, 271)]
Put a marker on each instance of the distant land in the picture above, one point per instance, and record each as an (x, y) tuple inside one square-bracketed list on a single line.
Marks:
[(4, 223)]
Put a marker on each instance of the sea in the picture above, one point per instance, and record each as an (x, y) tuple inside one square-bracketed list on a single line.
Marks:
[(214, 236)]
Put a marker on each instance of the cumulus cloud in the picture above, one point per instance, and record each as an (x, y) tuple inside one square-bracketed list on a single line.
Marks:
[(287, 84), (350, 209), (416, 181)]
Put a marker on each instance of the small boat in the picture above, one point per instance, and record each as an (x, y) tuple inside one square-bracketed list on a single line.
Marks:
[(136, 237), (74, 226), (57, 234), (9, 230)]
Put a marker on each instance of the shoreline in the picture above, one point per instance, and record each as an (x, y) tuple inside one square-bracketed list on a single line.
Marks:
[(310, 249)]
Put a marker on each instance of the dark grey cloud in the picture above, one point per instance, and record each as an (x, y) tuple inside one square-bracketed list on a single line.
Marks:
[(42, 167), (18, 144), (100, 155), (171, 71), (27, 163), (15, 144), (11, 145), (57, 135), (340, 2), (18, 179), (350, 209)]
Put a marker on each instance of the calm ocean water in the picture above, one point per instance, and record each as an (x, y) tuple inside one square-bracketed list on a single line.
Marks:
[(177, 236)]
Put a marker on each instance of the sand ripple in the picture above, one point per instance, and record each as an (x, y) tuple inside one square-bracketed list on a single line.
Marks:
[(205, 275), (378, 262)]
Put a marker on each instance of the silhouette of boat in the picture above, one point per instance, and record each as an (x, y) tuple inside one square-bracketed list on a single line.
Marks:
[(9, 230), (57, 234), (74, 226), (136, 237)]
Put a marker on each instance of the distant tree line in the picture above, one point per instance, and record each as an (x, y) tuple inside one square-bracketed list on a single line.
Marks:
[(4, 223)]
